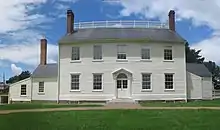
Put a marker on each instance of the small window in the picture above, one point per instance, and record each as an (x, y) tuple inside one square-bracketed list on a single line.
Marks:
[(75, 82), (97, 81), (41, 87), (168, 54), (23, 89), (146, 81), (145, 53), (75, 53), (168, 81), (121, 54), (97, 52)]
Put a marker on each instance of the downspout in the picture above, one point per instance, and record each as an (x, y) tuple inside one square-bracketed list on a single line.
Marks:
[(185, 73), (31, 88), (58, 78)]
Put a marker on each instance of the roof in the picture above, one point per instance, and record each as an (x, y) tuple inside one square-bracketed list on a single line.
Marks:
[(46, 71), (152, 34), (198, 69)]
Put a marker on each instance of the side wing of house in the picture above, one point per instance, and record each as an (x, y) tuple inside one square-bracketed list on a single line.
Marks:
[(20, 91), (194, 86), (44, 81), (199, 81)]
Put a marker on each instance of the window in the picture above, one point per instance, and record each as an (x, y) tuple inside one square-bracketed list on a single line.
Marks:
[(146, 81), (168, 81), (23, 90), (75, 82), (168, 54), (145, 53), (121, 54), (75, 53), (97, 81), (97, 52), (41, 87)]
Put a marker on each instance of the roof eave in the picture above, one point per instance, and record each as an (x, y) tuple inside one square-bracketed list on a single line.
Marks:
[(143, 40)]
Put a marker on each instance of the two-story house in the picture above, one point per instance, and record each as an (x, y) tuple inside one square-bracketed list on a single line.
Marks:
[(108, 60)]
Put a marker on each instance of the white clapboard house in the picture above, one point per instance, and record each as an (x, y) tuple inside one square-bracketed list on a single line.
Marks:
[(110, 60)]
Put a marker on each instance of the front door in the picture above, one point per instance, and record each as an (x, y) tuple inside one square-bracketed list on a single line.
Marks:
[(122, 88)]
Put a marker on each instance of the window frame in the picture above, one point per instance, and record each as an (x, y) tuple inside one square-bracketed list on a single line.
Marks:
[(39, 87), (166, 57), (22, 92), (100, 54), (120, 52), (95, 82), (149, 81), (169, 81), (75, 82), (77, 53), (146, 48)]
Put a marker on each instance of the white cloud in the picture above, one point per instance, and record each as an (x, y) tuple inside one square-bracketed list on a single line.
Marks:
[(15, 70), (21, 29), (200, 12), (27, 53)]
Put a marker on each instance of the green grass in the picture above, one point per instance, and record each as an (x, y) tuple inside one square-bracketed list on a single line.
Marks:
[(207, 103), (42, 105), (113, 120)]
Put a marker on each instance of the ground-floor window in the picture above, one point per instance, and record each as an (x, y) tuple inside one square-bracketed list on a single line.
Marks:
[(41, 87), (23, 89), (146, 81), (169, 81), (97, 81), (74, 81)]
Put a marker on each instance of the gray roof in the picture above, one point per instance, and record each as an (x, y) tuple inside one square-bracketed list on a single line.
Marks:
[(198, 69), (123, 33), (46, 71)]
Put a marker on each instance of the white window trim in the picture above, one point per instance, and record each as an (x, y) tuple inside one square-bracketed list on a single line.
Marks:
[(98, 60), (145, 47), (151, 87), (125, 47), (97, 90), (168, 47), (75, 61), (25, 90), (41, 93), (74, 73), (168, 90)]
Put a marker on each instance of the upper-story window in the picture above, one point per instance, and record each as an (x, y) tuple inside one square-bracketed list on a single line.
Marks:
[(145, 53), (97, 52), (75, 53), (168, 53), (121, 53)]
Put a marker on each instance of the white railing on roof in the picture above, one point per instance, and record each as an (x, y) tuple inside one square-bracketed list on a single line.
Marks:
[(120, 24)]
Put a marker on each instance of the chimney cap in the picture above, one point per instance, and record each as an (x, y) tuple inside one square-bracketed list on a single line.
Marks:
[(69, 11), (171, 12)]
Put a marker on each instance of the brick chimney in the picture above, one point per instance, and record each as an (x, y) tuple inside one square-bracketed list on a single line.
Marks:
[(43, 51), (70, 22), (172, 20)]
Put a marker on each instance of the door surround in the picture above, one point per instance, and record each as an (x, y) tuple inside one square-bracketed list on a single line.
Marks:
[(124, 88)]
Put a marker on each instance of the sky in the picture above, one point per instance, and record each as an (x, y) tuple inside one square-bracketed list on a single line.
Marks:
[(24, 22)]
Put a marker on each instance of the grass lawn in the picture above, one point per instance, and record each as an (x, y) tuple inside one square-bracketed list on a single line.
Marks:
[(207, 103), (42, 105), (113, 120)]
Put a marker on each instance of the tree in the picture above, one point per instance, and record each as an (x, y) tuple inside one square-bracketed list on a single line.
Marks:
[(23, 75), (192, 55)]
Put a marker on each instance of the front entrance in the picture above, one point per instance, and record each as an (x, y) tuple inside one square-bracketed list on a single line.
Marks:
[(122, 85)]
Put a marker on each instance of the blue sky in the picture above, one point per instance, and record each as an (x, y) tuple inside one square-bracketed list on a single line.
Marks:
[(24, 22)]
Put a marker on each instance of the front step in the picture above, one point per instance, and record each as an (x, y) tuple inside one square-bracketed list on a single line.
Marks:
[(118, 103), (122, 101)]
